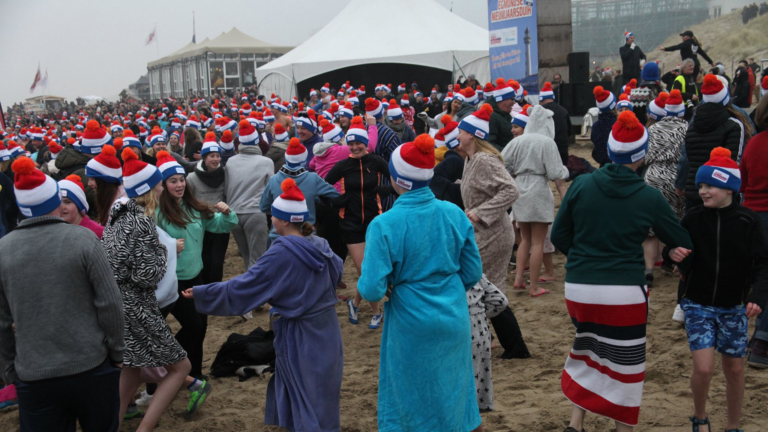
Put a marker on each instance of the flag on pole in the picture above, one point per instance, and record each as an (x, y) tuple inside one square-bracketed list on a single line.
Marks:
[(38, 77), (151, 37), (44, 81), (2, 117)]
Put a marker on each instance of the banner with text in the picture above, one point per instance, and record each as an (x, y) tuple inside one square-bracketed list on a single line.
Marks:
[(513, 42)]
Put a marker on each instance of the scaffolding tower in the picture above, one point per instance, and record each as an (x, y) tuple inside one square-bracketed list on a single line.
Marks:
[(599, 25)]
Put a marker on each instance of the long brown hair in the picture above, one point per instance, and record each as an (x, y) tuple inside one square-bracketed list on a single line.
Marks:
[(105, 197), (171, 209), (745, 121), (486, 147), (191, 135), (149, 202), (761, 112)]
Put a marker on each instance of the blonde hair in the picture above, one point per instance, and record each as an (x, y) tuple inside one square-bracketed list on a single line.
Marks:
[(486, 147), (149, 202)]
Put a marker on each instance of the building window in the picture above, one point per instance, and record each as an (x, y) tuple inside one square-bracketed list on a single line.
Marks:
[(232, 75), (249, 72), (216, 74), (203, 77)]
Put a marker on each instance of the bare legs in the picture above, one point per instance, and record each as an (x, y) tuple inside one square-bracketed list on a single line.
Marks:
[(703, 369), (577, 421), (357, 251), (531, 247)]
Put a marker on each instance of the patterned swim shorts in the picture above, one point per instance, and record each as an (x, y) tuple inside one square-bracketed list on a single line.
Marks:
[(725, 329)]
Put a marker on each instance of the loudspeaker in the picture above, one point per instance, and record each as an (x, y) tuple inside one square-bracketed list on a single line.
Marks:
[(578, 67), (577, 98)]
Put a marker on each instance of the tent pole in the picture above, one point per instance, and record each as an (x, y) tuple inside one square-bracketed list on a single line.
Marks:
[(293, 83), (456, 63), (453, 68)]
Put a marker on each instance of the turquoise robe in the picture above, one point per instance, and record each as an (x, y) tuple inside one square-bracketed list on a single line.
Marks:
[(425, 249)]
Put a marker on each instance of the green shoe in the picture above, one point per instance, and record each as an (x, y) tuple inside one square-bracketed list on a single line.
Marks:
[(133, 412), (197, 397)]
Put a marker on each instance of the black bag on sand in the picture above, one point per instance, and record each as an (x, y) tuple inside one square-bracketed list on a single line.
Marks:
[(245, 352)]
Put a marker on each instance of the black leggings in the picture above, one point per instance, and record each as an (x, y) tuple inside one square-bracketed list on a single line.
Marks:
[(510, 337), (327, 226), (214, 252), (193, 326)]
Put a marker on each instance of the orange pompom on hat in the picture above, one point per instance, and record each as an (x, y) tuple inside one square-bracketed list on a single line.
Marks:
[(72, 188), (227, 142), (628, 142), (714, 91), (281, 135), (450, 132), (374, 108), (477, 124), (54, 148), (139, 177), (357, 131), (674, 106), (36, 193), (632, 84), (394, 111), (656, 107), (720, 171), (546, 92), (94, 137), (606, 101), (105, 166), (412, 164), (290, 206), (296, 154), (247, 134), (331, 131)]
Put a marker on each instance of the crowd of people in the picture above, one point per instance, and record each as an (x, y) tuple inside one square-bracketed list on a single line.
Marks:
[(137, 203), (749, 12)]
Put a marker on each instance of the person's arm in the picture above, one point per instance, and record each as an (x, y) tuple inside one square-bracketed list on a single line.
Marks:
[(494, 300), (107, 298), (372, 284), (562, 229), (669, 230), (625, 52), (642, 54), (334, 174), (220, 222), (470, 263), (674, 47), (682, 170), (240, 294), (704, 54), (505, 193), (553, 164), (373, 135), (8, 337), (759, 250), (265, 204), (323, 189), (734, 141)]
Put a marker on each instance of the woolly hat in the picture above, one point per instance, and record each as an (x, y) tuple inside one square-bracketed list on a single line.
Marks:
[(15, 150), (227, 142), (632, 84), (226, 123), (720, 171), (346, 110), (117, 143), (404, 100), (521, 118), (156, 137), (116, 128), (140, 177), (357, 132), (627, 35), (628, 142), (606, 101), (246, 109), (72, 188), (105, 166), (210, 145), (470, 96), (296, 154), (477, 123), (394, 112), (503, 91), (448, 97), (450, 131), (248, 134), (401, 88), (714, 91), (412, 164), (353, 98), (331, 131), (309, 123), (361, 90), (192, 122), (268, 116), (36, 193), (656, 107), (374, 108), (326, 88), (675, 107), (290, 206), (168, 166), (4, 153), (624, 102), (54, 148), (764, 86), (650, 72), (280, 134), (94, 138), (546, 92), (130, 140)]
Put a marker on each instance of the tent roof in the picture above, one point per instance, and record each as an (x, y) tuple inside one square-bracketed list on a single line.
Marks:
[(427, 45), (231, 42)]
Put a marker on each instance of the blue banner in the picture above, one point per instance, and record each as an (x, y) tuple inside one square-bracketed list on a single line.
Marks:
[(513, 42)]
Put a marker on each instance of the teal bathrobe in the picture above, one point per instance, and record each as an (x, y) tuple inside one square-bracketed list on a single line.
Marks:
[(425, 249)]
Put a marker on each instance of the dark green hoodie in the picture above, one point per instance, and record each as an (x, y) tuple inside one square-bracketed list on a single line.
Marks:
[(603, 221)]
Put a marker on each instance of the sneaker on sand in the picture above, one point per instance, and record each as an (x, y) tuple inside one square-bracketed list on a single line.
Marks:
[(197, 397), (758, 356), (649, 280), (144, 399), (376, 321), (352, 312), (133, 412), (679, 315)]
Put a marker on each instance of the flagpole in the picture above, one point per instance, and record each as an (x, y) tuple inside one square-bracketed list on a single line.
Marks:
[(157, 43)]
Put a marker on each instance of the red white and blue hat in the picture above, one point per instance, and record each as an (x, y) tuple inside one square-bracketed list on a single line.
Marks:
[(312, 92), (268, 116), (246, 109), (227, 142), (346, 110), (656, 109), (248, 134), (394, 112), (450, 131), (207, 122), (290, 206), (675, 107), (116, 127), (244, 97), (448, 97), (94, 138), (37, 134), (401, 88), (720, 171), (72, 188), (521, 118), (385, 104), (470, 96), (4, 153), (353, 98), (714, 91), (412, 164), (628, 142), (326, 88), (227, 124), (361, 90), (140, 177), (105, 166), (624, 102), (36, 193), (210, 145), (405, 100), (296, 154), (281, 135), (192, 122), (130, 140), (627, 35), (54, 148), (277, 105), (156, 137), (764, 86), (503, 91), (331, 131), (632, 84), (606, 101), (546, 92), (15, 150), (309, 123), (477, 123), (357, 132), (167, 165), (374, 108)]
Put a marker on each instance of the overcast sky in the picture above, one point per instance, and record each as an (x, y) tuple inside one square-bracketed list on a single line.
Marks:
[(92, 47)]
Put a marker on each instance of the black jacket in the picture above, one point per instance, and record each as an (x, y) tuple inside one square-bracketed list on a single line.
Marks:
[(668, 78), (741, 94), (689, 50), (630, 62), (730, 254), (360, 180), (443, 183), (499, 127), (712, 127), (562, 127)]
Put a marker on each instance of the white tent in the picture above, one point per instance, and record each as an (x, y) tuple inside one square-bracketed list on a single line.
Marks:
[(424, 34)]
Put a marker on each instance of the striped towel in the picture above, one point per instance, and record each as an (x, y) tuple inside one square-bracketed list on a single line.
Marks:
[(605, 370)]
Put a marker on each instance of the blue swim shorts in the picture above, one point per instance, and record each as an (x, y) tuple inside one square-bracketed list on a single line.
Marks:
[(725, 329)]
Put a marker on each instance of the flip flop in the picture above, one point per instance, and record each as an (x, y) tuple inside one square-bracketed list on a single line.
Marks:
[(542, 280), (543, 292), (519, 287)]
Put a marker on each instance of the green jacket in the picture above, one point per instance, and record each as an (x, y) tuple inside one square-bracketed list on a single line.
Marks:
[(190, 261), (499, 127), (602, 222)]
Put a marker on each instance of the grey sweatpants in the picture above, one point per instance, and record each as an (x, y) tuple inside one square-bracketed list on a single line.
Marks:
[(251, 234)]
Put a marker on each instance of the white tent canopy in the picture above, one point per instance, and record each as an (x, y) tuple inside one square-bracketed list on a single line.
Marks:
[(452, 44)]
